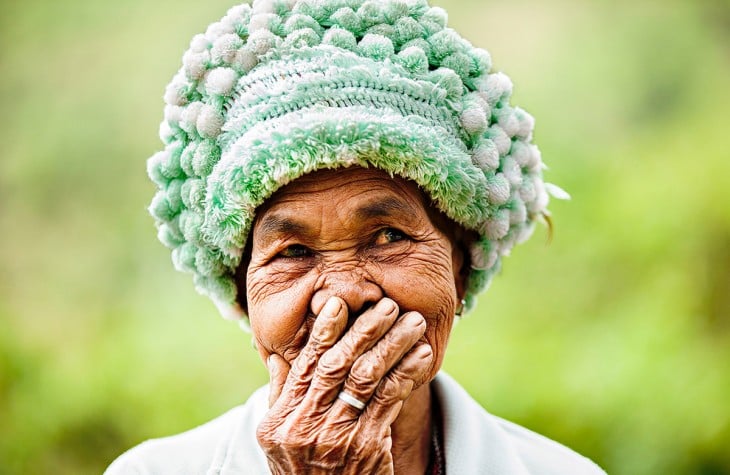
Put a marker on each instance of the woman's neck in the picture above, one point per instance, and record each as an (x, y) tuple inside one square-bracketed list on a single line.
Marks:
[(411, 434)]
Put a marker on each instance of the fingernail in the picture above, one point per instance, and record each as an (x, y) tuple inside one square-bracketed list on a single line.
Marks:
[(385, 306), (331, 308), (424, 351), (415, 319)]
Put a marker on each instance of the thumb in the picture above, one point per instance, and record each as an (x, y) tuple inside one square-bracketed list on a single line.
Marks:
[(278, 371)]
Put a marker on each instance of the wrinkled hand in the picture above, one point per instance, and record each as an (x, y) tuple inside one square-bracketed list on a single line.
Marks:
[(378, 360)]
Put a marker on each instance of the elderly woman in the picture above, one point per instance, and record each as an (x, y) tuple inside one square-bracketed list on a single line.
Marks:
[(344, 177)]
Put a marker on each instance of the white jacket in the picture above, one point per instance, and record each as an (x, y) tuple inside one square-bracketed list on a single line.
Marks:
[(476, 442)]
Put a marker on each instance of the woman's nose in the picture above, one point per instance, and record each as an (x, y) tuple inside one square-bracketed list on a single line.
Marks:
[(355, 289)]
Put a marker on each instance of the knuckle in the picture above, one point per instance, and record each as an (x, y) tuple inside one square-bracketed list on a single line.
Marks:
[(393, 343), (393, 389), (347, 345), (332, 364), (316, 339), (324, 335), (291, 353), (266, 434), (332, 360), (302, 365), (363, 333), (364, 372)]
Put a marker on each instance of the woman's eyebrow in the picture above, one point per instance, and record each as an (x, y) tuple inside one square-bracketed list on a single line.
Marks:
[(383, 208), (273, 225)]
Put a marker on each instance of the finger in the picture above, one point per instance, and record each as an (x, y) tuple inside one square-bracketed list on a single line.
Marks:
[(327, 329), (398, 385), (370, 368), (278, 372), (335, 364)]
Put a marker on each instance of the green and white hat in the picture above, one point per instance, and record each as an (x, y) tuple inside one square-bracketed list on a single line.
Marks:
[(281, 88)]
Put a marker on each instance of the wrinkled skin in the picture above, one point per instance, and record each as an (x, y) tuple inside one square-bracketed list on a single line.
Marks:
[(352, 283)]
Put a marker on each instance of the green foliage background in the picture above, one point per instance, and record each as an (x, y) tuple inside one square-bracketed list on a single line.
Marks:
[(614, 339)]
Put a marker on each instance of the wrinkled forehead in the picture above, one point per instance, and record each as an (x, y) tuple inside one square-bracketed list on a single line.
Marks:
[(354, 184), (350, 194)]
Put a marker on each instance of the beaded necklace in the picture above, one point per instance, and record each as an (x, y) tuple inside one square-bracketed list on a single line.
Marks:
[(437, 462)]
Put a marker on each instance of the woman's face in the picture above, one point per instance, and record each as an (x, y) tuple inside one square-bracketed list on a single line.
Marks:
[(354, 233)]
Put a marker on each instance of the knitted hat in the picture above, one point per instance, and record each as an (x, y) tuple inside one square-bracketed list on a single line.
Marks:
[(285, 87)]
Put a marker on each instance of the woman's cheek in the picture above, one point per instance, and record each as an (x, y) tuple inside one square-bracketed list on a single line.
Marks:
[(424, 282), (278, 311)]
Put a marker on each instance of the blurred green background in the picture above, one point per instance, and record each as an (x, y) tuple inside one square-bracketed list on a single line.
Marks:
[(614, 339)]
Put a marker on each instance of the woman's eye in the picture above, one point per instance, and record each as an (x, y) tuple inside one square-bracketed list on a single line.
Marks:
[(389, 235), (295, 251)]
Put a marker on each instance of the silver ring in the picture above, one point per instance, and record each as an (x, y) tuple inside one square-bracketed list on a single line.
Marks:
[(351, 400)]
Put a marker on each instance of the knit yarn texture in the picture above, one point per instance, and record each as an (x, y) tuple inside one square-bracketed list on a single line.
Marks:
[(285, 87)]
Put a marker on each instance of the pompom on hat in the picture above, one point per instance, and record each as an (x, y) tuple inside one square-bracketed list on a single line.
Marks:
[(281, 88)]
